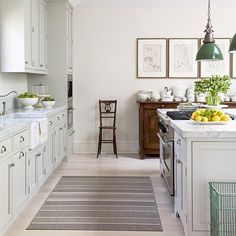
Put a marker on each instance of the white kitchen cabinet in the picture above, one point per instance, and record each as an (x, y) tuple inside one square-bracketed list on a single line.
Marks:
[(23, 36), (50, 146), (60, 143), (69, 23), (180, 186), (19, 180), (5, 191)]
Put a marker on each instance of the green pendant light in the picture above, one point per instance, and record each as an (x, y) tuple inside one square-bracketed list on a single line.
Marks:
[(209, 51), (232, 48)]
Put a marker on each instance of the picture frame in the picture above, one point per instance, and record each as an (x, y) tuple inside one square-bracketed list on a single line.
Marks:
[(152, 58), (233, 69), (182, 57), (210, 68)]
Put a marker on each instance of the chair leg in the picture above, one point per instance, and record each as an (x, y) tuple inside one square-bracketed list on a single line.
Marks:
[(99, 143), (114, 143)]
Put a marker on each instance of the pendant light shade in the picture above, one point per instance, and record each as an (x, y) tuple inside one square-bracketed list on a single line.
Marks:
[(209, 51), (232, 48)]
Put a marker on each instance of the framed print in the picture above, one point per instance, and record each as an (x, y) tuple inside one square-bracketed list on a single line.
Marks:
[(210, 68), (152, 58), (234, 66), (182, 58)]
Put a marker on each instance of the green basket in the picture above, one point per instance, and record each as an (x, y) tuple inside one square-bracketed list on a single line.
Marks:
[(223, 208)]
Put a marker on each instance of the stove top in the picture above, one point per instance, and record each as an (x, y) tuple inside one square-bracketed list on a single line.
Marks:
[(179, 115)]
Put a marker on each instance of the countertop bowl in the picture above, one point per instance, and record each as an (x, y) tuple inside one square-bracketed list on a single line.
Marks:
[(48, 104), (28, 102)]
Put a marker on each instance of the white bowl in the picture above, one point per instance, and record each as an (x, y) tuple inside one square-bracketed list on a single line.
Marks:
[(48, 104), (156, 96), (144, 95), (28, 102)]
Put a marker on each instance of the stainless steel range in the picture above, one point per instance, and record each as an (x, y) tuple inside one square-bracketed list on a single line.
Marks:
[(166, 136)]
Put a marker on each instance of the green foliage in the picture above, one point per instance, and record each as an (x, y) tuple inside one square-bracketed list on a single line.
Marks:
[(27, 95), (214, 85), (48, 99)]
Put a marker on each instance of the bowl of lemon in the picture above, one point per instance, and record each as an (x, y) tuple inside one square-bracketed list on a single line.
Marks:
[(210, 117)]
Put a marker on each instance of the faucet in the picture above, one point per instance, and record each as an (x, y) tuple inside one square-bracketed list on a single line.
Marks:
[(4, 112)]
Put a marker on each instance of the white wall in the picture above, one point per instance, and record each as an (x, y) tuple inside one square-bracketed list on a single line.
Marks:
[(11, 81), (105, 56)]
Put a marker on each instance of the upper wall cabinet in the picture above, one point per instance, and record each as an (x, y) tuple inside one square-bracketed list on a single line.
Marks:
[(24, 36)]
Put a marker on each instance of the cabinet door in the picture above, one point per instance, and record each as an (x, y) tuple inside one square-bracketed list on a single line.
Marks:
[(50, 152), (150, 129), (35, 33), (5, 192), (19, 191), (32, 177), (40, 163), (42, 35), (59, 144), (28, 35), (69, 18), (181, 186)]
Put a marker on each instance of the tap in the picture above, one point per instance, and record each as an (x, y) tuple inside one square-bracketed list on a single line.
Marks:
[(4, 112)]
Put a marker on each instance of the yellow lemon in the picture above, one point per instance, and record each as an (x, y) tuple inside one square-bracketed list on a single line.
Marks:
[(198, 118), (226, 118), (201, 111), (216, 118), (204, 119), (221, 113)]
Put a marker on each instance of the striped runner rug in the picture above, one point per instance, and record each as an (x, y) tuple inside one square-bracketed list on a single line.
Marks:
[(100, 203)]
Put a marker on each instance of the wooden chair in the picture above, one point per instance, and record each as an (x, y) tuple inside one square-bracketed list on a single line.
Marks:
[(107, 110)]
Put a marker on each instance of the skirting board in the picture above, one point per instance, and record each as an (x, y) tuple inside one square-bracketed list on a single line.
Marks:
[(127, 147)]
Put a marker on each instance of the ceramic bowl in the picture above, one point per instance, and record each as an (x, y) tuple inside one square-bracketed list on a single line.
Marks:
[(144, 95), (48, 104), (156, 96), (28, 102)]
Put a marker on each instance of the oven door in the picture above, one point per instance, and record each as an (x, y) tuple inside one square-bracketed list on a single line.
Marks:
[(167, 163), (70, 118)]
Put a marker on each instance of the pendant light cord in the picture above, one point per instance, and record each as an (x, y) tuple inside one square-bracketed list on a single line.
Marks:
[(209, 11)]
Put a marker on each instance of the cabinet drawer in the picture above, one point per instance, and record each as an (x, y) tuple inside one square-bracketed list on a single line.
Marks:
[(60, 117), (180, 144), (6, 147), (21, 140)]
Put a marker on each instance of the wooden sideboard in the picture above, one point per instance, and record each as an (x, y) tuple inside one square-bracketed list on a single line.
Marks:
[(148, 125)]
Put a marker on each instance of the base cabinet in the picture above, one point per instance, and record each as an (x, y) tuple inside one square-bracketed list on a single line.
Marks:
[(60, 143)]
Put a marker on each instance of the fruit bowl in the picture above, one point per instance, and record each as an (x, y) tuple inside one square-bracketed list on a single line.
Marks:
[(210, 117), (28, 102)]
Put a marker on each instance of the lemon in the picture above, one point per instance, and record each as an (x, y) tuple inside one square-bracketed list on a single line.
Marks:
[(221, 113), (198, 118), (216, 118), (226, 118), (204, 119), (201, 111)]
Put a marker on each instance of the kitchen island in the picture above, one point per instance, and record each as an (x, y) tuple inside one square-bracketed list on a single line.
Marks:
[(202, 153)]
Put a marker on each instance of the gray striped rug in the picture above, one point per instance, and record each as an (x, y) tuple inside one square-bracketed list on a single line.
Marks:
[(100, 203)]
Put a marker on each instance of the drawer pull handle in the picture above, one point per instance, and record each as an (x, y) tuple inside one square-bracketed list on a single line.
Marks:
[(50, 123), (58, 118), (61, 128), (179, 142), (3, 149), (12, 165), (22, 154), (178, 161), (41, 65), (38, 155), (63, 115), (162, 105), (22, 139)]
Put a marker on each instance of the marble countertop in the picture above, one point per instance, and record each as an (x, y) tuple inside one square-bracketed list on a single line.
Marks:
[(188, 128), (19, 119)]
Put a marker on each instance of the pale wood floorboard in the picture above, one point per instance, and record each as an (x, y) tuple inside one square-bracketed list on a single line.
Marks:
[(106, 165)]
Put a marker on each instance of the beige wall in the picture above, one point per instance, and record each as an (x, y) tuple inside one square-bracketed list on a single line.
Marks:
[(105, 56)]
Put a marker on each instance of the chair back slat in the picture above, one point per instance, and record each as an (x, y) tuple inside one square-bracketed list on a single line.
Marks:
[(107, 110)]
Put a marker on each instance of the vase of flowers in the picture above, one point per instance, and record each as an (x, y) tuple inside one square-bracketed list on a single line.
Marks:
[(213, 87)]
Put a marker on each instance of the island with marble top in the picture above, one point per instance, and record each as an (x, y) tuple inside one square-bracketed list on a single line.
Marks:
[(202, 154)]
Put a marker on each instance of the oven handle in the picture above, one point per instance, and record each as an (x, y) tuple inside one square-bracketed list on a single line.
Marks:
[(163, 142)]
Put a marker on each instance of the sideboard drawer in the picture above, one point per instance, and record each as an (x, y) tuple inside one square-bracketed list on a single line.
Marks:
[(21, 140), (6, 147)]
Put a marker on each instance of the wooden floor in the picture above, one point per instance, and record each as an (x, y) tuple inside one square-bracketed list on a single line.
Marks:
[(88, 165)]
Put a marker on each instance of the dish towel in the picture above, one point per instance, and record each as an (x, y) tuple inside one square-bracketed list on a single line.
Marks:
[(43, 130), (34, 135)]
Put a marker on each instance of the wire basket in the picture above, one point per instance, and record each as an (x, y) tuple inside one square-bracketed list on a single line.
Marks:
[(223, 208)]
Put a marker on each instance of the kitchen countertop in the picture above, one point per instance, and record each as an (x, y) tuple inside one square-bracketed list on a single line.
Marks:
[(10, 123), (189, 129)]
